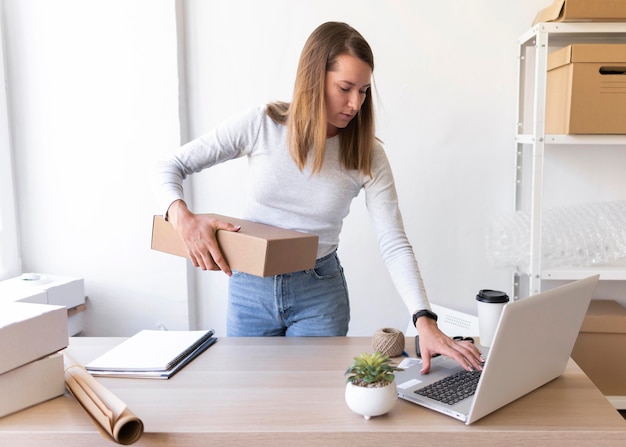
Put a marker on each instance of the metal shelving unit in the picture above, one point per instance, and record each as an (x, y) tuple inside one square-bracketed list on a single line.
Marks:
[(532, 142)]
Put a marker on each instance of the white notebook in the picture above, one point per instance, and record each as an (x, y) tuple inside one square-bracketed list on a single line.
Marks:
[(151, 351)]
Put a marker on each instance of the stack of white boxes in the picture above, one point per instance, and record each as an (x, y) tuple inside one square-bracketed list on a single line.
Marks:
[(49, 289), (31, 366)]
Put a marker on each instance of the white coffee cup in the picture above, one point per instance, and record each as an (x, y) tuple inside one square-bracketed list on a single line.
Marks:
[(490, 304)]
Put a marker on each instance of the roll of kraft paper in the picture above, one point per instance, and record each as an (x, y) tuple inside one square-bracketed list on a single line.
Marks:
[(105, 407)]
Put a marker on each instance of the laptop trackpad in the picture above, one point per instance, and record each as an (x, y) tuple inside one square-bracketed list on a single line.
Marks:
[(411, 379)]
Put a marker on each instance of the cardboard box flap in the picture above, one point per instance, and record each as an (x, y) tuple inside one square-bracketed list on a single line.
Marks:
[(550, 14), (559, 58), (605, 316), (588, 53), (583, 10), (598, 53)]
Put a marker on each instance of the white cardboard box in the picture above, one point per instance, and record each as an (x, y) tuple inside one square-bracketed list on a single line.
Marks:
[(12, 291), (58, 290), (29, 332), (49, 289), (31, 384)]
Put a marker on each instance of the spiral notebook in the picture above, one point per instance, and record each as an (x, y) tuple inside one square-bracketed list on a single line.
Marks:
[(152, 354)]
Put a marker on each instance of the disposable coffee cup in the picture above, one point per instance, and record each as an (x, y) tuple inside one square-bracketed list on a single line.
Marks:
[(490, 304)]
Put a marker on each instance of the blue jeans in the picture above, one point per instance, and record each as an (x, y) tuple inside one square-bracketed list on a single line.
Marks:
[(306, 303)]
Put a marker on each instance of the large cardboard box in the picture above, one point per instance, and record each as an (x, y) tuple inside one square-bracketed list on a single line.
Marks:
[(29, 332), (583, 11), (586, 90), (257, 249), (600, 348), (32, 384)]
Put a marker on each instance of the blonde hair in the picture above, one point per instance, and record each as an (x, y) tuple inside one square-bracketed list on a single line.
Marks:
[(306, 118)]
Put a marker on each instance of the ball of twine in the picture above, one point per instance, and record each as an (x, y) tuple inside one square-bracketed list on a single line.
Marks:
[(388, 341)]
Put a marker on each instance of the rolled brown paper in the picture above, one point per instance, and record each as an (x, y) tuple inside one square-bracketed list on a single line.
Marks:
[(103, 406)]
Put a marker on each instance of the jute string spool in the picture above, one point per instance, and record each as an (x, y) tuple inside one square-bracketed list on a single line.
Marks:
[(388, 341)]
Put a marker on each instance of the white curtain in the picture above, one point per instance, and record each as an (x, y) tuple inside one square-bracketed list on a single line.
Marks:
[(10, 265)]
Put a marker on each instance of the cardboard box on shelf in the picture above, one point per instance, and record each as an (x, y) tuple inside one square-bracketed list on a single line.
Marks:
[(583, 11), (600, 348), (32, 384), (30, 331), (586, 90), (257, 249)]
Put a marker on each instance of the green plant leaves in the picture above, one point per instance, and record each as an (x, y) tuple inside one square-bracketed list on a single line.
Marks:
[(369, 369)]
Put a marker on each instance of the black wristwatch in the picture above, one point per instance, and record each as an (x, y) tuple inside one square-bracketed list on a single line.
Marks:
[(424, 313)]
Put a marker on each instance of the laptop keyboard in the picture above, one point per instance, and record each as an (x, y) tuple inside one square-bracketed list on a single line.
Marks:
[(452, 389)]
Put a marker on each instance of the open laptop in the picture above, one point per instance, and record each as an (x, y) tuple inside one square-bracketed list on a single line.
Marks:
[(531, 346)]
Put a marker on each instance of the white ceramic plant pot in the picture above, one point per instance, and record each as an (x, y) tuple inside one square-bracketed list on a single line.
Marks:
[(370, 402)]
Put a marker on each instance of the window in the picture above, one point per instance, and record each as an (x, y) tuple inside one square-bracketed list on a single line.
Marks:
[(9, 252)]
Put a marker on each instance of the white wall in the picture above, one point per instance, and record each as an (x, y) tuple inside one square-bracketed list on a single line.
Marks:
[(93, 100), (93, 97)]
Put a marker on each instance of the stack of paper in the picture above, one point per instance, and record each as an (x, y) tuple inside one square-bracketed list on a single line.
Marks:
[(31, 369), (152, 354)]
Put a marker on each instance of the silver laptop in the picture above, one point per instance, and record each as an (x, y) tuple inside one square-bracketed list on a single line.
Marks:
[(531, 346)]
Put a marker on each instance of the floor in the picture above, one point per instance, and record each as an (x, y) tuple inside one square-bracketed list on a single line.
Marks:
[(623, 413)]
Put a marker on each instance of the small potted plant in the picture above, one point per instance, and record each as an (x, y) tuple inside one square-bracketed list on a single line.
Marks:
[(371, 388)]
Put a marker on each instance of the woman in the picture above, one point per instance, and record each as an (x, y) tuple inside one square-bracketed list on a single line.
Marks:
[(307, 160)]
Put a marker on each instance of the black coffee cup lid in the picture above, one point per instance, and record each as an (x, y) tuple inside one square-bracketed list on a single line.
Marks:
[(492, 296)]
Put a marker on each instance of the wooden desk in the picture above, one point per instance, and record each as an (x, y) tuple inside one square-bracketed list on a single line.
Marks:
[(290, 391)]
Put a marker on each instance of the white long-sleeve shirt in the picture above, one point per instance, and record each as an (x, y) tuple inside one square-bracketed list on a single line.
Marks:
[(280, 194)]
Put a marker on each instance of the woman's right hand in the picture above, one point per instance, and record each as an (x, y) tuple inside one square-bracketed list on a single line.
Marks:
[(199, 234)]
